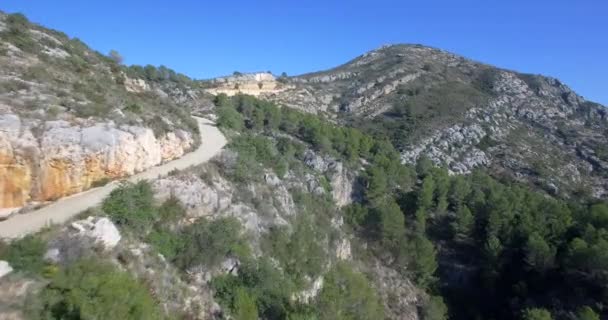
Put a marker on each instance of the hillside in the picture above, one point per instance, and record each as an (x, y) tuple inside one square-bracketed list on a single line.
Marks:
[(465, 114), (72, 118)]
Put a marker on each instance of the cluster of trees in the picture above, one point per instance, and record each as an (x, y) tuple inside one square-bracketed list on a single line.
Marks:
[(517, 241), (531, 255), (379, 216), (92, 289), (243, 112), (260, 290), (155, 74)]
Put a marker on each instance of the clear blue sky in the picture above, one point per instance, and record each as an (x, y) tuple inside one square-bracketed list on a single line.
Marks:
[(567, 39)]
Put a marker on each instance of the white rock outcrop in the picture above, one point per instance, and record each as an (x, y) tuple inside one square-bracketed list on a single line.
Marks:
[(101, 230), (80, 238), (5, 268)]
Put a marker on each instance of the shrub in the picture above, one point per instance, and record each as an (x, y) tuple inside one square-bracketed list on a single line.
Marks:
[(166, 242), (262, 282), (435, 309), (91, 289), (18, 32), (134, 108), (131, 206), (115, 56), (229, 118), (586, 313), (300, 252), (347, 294), (209, 242), (536, 314), (244, 306), (25, 254)]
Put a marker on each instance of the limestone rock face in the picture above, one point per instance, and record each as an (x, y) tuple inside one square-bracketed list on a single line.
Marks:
[(49, 160)]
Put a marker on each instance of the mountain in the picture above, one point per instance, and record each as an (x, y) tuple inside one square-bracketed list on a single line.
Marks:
[(409, 183), (464, 114)]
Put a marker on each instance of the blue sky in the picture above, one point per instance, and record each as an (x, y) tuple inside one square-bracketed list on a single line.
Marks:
[(566, 39)]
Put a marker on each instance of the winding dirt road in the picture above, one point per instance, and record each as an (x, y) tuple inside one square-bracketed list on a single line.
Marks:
[(212, 141)]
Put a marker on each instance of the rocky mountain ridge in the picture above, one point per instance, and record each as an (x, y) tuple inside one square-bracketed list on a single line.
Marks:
[(465, 115)]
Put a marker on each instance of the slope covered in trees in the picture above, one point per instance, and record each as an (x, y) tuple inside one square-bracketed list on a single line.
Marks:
[(492, 248)]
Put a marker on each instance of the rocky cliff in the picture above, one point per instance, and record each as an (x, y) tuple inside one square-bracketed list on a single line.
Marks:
[(41, 161)]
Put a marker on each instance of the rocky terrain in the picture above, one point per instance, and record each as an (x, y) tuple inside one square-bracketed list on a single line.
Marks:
[(465, 115)]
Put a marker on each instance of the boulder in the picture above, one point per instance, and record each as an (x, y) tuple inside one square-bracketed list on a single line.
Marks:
[(80, 238), (5, 268)]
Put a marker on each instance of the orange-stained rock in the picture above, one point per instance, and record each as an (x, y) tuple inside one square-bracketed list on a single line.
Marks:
[(15, 182), (68, 158)]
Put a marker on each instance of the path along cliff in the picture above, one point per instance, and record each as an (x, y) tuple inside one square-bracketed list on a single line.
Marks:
[(212, 141)]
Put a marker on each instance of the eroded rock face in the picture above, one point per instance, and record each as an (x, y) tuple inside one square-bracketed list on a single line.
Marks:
[(50, 160)]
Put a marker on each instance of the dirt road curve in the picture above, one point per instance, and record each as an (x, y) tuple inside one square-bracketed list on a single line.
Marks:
[(212, 141)]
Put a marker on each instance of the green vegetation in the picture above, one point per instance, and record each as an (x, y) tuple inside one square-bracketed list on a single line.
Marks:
[(245, 112), (419, 108), (520, 240), (255, 153), (299, 252), (204, 242), (25, 254), (18, 33), (536, 314), (156, 74), (435, 309), (90, 289), (132, 206), (347, 294), (516, 241), (208, 243)]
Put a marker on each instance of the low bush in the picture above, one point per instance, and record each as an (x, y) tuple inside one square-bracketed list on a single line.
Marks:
[(347, 294), (209, 242), (25, 254), (131, 206), (90, 289)]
